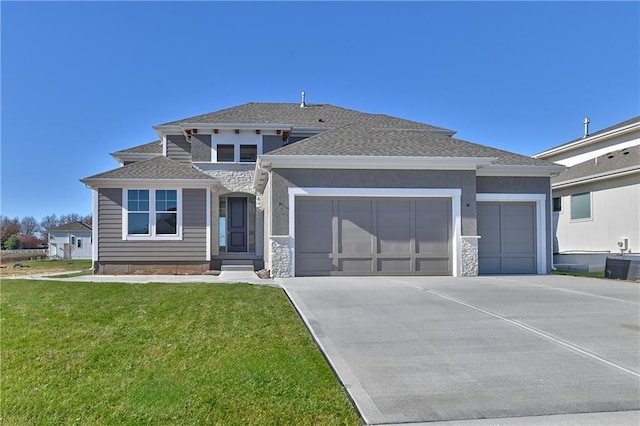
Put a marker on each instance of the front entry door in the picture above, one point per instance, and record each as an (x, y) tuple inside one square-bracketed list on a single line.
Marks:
[(237, 224)]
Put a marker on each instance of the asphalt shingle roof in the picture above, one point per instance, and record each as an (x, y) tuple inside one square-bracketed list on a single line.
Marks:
[(362, 140), (610, 162), (71, 226), (154, 147), (154, 168), (312, 116), (607, 129)]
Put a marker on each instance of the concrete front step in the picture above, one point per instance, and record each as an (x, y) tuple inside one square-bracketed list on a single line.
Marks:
[(236, 268)]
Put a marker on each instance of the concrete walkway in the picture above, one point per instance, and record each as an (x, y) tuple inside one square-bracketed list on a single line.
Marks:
[(479, 351), (224, 277)]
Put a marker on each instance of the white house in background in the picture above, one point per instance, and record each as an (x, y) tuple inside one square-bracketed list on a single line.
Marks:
[(70, 241), (596, 201)]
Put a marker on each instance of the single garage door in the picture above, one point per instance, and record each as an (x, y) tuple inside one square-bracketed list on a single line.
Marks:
[(507, 242), (372, 236)]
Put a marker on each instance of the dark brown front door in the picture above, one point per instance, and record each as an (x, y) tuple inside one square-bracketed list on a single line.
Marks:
[(237, 224)]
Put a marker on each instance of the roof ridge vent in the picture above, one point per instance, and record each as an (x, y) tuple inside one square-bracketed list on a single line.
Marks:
[(303, 104)]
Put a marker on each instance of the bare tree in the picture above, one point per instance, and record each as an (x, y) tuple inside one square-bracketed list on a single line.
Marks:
[(48, 222), (71, 217), (29, 226), (88, 219)]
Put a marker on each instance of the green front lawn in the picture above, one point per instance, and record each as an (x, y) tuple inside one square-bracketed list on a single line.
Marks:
[(76, 353)]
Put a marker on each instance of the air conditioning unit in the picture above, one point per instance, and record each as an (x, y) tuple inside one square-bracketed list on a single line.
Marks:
[(623, 244)]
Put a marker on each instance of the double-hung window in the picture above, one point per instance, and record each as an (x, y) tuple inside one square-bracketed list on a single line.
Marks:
[(152, 214), (166, 212)]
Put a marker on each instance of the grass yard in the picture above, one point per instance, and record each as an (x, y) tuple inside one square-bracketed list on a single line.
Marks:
[(44, 266), (599, 274), (85, 353)]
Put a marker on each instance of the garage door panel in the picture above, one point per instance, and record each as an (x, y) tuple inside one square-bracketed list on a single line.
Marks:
[(512, 265), (355, 223), (394, 266), (315, 264), (394, 226), (315, 218), (433, 226), (433, 266), (355, 266)]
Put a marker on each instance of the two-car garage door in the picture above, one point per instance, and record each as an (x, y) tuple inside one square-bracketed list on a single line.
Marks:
[(373, 236)]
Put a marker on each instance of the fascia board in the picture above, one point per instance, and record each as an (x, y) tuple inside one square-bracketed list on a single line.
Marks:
[(303, 131), (151, 183), (597, 177), (524, 170), (134, 156), (373, 162), (225, 126), (588, 140)]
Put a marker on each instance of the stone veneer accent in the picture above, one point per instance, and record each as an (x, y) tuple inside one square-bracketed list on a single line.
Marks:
[(280, 263), (469, 255)]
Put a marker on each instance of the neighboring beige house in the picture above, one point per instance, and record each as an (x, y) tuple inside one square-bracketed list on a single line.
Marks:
[(70, 241), (315, 189), (596, 201)]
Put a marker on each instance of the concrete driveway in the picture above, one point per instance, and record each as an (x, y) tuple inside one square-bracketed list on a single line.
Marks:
[(426, 349)]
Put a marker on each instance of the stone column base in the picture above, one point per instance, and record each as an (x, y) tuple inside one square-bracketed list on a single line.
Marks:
[(469, 252), (280, 261)]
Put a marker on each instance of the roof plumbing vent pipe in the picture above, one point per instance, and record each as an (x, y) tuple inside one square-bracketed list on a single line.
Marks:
[(303, 104), (586, 127)]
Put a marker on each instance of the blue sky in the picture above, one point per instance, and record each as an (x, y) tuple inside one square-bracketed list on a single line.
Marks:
[(83, 79)]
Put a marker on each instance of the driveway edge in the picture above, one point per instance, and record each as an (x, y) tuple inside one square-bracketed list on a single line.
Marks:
[(365, 406)]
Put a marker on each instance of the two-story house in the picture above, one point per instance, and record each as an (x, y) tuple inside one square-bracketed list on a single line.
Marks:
[(70, 241), (596, 201), (315, 189)]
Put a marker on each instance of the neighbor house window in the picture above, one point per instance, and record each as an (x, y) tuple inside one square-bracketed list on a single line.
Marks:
[(225, 153), (557, 204), (152, 213), (248, 153), (581, 206), (73, 240), (79, 243)]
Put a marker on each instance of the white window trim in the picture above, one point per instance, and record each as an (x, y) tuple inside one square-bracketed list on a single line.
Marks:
[(541, 220), (453, 193), (152, 213)]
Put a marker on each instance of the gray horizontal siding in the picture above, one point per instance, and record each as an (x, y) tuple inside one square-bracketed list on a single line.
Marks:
[(111, 247), (178, 148)]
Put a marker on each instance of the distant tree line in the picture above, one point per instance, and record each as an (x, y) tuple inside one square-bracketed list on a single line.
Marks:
[(28, 232)]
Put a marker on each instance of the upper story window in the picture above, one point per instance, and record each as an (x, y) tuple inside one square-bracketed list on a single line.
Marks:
[(226, 153), (581, 206), (557, 204), (152, 214), (248, 153), (238, 145)]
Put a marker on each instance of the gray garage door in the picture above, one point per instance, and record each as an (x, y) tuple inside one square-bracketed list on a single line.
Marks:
[(372, 236), (508, 238)]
